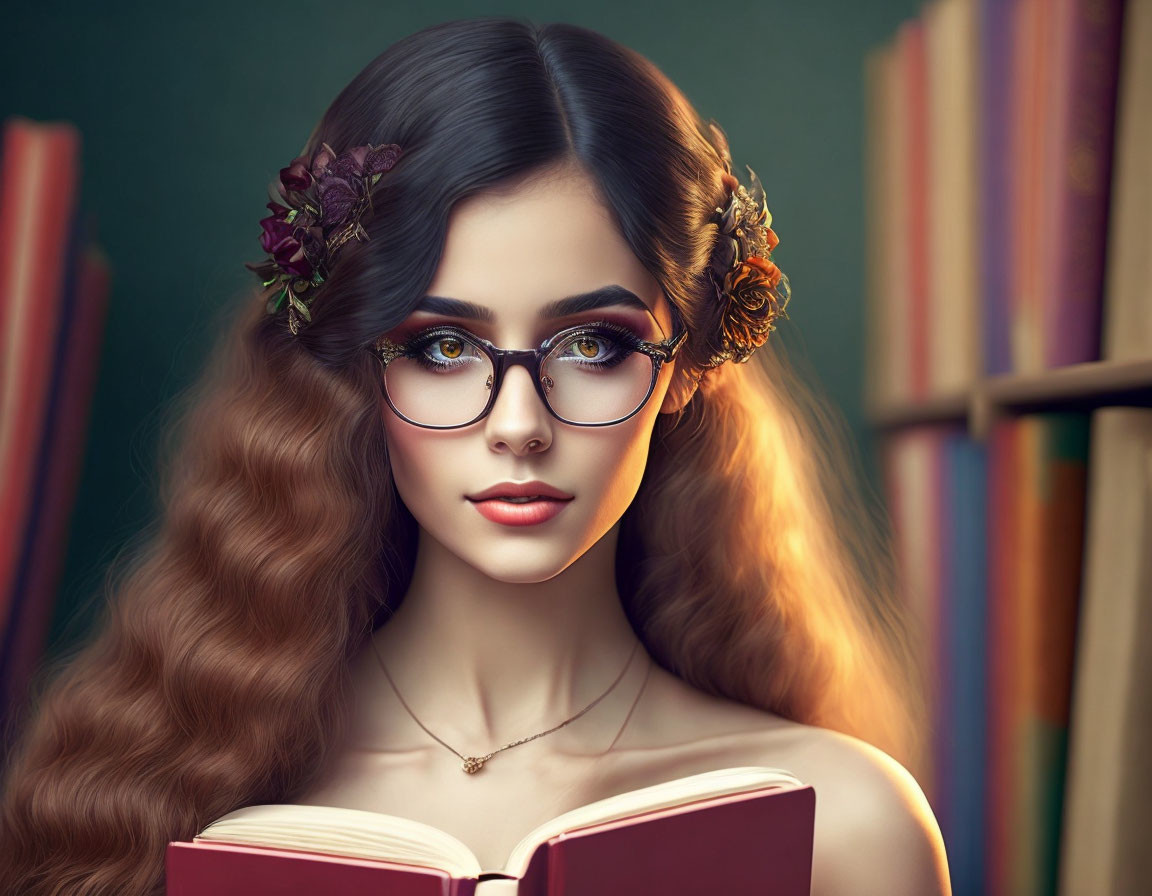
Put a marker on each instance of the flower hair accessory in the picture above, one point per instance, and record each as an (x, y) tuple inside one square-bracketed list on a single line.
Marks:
[(326, 198), (752, 291)]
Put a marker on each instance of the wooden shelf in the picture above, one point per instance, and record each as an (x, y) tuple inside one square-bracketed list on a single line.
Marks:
[(1076, 387)]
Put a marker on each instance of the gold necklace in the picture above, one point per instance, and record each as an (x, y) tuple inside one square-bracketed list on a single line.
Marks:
[(473, 764)]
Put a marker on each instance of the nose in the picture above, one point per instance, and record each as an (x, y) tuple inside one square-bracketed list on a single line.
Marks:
[(518, 418)]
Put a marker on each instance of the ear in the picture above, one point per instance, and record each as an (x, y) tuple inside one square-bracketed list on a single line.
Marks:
[(680, 390)]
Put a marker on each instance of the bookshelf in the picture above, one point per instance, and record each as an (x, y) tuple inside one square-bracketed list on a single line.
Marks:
[(1008, 384), (1083, 387)]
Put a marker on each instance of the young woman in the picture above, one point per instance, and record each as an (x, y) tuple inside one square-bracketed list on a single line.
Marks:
[(479, 514)]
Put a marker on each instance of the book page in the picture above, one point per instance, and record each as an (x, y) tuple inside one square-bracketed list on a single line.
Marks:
[(375, 835), (345, 832)]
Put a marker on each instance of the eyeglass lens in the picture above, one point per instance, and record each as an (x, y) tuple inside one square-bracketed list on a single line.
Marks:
[(594, 375)]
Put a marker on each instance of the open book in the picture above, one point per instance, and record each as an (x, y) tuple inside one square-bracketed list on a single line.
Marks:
[(746, 829)]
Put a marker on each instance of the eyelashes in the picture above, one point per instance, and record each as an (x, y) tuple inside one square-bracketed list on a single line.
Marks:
[(624, 333), (617, 343)]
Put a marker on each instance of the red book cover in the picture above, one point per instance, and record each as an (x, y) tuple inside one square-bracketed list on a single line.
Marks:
[(61, 459), (1059, 448), (759, 840), (221, 869), (766, 847), (38, 183)]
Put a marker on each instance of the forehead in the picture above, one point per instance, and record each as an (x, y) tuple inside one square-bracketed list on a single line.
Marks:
[(521, 249)]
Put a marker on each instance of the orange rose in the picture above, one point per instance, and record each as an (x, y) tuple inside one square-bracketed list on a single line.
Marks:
[(771, 272)]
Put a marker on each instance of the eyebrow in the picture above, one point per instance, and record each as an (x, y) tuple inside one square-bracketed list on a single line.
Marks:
[(585, 301)]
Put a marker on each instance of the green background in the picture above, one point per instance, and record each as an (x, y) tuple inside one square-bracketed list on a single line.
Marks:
[(187, 114)]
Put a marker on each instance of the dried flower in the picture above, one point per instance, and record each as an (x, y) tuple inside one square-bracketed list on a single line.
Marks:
[(325, 198), (752, 290)]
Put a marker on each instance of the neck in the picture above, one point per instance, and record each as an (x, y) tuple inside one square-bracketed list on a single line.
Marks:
[(483, 662)]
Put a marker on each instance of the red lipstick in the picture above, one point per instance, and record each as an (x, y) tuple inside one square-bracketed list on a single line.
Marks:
[(543, 502)]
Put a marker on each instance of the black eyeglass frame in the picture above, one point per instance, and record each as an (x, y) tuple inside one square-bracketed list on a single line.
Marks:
[(386, 350)]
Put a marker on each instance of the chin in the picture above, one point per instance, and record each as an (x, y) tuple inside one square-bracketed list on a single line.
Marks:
[(519, 564)]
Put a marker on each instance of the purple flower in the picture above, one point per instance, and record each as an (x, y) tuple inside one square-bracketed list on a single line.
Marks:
[(275, 230), (312, 241), (339, 197), (289, 254), (296, 176), (381, 158), (324, 195), (323, 157)]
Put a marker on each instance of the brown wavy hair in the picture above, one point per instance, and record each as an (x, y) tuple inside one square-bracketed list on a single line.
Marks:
[(218, 674)]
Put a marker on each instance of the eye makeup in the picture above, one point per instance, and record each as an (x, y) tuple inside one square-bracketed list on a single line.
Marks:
[(642, 326), (610, 328)]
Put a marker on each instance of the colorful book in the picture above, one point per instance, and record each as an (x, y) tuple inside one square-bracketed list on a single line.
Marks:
[(881, 380), (993, 124), (39, 174), (1028, 74), (1036, 588), (60, 457), (952, 244), (913, 74), (745, 829), (964, 624), (1107, 815), (912, 483), (1128, 289), (1084, 38), (1004, 470)]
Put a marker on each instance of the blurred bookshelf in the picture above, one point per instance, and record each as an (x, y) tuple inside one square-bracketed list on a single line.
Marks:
[(1084, 387), (1008, 382)]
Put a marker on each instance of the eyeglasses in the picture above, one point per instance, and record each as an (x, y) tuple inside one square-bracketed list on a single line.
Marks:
[(594, 374)]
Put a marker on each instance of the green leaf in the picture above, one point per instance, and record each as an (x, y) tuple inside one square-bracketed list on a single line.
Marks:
[(277, 301), (300, 306), (291, 216)]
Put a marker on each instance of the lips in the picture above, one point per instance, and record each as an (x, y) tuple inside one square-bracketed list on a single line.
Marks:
[(532, 489), (547, 502), (528, 513)]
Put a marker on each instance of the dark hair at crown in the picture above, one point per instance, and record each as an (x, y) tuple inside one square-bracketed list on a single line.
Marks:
[(497, 100)]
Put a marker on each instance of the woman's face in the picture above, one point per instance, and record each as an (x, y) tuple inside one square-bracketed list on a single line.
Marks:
[(513, 254)]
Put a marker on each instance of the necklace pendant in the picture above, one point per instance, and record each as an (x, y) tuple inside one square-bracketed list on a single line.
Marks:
[(473, 764)]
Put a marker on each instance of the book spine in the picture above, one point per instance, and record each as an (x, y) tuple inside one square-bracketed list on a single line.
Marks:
[(996, 196), (915, 73), (1127, 311), (1055, 606), (1085, 79), (1027, 79), (38, 181), (966, 628), (1003, 534), (61, 456)]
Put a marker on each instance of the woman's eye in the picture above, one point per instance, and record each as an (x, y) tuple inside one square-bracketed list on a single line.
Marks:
[(443, 352), (602, 349), (589, 347), (450, 348)]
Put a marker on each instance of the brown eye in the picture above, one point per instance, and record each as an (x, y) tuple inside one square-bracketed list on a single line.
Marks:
[(589, 348), (450, 348)]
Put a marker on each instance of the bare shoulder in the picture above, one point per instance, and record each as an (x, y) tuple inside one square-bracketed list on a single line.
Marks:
[(875, 832)]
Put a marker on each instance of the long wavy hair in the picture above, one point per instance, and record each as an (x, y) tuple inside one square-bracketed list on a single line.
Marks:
[(753, 562)]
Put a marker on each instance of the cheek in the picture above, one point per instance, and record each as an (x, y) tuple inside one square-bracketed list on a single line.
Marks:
[(417, 467), (612, 464)]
